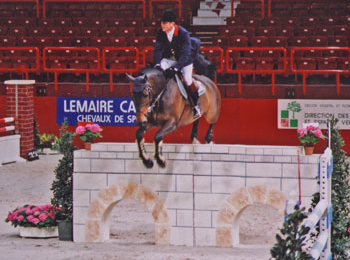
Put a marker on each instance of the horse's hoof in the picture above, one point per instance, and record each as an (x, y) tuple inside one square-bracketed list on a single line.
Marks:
[(148, 163), (195, 141), (161, 163)]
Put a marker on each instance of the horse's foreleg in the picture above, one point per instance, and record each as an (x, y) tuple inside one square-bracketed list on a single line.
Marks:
[(158, 141), (158, 154), (194, 133), (141, 146), (209, 134)]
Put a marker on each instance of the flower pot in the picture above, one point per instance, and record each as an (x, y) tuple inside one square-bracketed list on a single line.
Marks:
[(309, 150), (87, 146), (34, 232), (65, 230)]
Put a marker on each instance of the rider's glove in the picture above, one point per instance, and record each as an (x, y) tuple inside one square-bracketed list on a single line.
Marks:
[(170, 73)]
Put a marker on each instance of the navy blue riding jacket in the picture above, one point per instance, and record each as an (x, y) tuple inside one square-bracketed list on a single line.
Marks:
[(180, 47)]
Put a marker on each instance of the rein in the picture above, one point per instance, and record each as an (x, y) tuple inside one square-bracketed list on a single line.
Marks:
[(153, 104), (150, 108)]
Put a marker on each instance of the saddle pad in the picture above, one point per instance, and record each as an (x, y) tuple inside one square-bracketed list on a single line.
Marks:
[(181, 87), (201, 88)]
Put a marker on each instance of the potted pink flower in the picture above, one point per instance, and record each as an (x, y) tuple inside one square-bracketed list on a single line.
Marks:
[(309, 135), (34, 221), (88, 132)]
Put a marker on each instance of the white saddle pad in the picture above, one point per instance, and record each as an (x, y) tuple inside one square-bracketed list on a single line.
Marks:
[(201, 88)]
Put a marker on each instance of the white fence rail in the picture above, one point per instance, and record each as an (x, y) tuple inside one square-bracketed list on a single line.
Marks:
[(322, 213), (10, 143), (8, 128)]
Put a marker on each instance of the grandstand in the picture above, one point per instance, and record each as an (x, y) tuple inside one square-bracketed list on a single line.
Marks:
[(259, 44)]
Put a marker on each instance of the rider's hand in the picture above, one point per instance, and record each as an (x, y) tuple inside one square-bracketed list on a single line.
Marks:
[(170, 73)]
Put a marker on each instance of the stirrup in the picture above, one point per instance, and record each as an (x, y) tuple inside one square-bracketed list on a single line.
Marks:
[(196, 112)]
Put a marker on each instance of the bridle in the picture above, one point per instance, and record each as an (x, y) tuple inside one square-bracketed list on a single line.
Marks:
[(151, 103)]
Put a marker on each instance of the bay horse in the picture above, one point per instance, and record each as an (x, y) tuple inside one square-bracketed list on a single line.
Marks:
[(159, 103)]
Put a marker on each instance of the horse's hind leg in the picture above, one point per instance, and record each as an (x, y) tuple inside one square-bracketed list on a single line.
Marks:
[(209, 135), (141, 146), (194, 133)]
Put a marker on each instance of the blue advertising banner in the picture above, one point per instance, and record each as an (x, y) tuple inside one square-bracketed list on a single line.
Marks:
[(103, 111)]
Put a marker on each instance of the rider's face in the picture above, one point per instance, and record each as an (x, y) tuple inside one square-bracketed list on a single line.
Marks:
[(167, 26)]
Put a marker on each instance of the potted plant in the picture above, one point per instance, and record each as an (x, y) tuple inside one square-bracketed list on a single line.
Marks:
[(88, 132), (35, 221), (62, 186), (48, 141), (309, 135)]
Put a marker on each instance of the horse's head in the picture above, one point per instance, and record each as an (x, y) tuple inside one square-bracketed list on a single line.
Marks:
[(141, 95)]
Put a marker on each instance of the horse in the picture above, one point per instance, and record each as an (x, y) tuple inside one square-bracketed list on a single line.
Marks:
[(159, 103)]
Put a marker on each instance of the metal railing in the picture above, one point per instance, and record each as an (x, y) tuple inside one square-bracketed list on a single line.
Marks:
[(85, 56)]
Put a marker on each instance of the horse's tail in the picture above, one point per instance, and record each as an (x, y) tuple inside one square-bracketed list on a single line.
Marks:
[(203, 66)]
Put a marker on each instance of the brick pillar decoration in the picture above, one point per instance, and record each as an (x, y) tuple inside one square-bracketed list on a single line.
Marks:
[(20, 103)]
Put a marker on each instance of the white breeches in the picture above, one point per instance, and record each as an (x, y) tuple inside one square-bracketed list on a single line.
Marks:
[(186, 71)]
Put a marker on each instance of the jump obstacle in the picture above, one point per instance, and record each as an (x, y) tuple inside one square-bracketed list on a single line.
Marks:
[(10, 143), (322, 213), (197, 199)]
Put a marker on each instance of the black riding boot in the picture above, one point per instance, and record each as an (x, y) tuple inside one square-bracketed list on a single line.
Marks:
[(196, 107)]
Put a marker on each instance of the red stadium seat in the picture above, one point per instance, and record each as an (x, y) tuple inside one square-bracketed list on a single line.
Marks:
[(329, 63), (341, 30), (343, 63), (264, 63), (324, 30), (108, 31), (285, 31), (26, 41), (278, 41), (312, 53), (265, 31), (271, 21), (250, 53), (118, 41), (238, 41), (340, 41), (320, 41), (335, 53), (310, 21), (7, 40), (37, 31), (99, 41), (221, 41), (43, 41), (243, 63), (259, 41), (298, 41), (305, 63), (62, 41), (304, 31), (246, 31)]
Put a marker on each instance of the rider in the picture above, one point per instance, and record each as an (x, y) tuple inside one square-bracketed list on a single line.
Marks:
[(173, 52)]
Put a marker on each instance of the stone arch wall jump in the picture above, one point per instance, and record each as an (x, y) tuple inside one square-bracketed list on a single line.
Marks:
[(196, 199), (97, 221), (227, 230)]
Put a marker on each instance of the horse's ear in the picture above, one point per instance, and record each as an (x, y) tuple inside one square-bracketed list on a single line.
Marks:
[(131, 78), (145, 78)]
